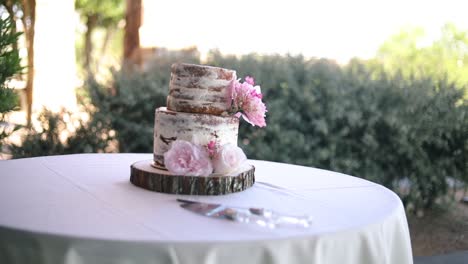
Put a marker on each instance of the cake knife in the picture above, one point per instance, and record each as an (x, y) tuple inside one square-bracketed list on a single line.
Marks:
[(260, 216)]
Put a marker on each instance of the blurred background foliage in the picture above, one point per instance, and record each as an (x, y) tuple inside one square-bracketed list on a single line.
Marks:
[(401, 117), (9, 67), (354, 119), (407, 53), (101, 24)]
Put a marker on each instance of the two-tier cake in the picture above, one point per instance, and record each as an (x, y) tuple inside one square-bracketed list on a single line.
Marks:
[(195, 136)]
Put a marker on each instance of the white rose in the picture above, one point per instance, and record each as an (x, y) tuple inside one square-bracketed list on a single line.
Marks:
[(228, 159)]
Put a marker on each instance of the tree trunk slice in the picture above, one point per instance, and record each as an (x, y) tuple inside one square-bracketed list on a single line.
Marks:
[(144, 175)]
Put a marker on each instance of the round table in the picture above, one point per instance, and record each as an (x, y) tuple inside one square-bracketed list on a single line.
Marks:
[(83, 209)]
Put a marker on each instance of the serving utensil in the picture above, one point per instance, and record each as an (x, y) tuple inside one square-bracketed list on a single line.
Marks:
[(260, 216)]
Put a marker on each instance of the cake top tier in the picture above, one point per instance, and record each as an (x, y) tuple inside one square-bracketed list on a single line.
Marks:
[(200, 89)]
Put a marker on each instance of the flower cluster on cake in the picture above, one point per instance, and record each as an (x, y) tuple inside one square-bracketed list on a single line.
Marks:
[(196, 134)]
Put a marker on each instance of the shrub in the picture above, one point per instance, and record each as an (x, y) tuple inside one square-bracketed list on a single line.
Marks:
[(130, 101), (352, 120), (57, 136), (129, 107)]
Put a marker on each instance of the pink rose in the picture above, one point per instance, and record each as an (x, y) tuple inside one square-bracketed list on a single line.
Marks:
[(185, 158), (228, 159)]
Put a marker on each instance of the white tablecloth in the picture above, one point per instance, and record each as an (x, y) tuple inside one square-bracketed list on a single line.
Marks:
[(83, 209)]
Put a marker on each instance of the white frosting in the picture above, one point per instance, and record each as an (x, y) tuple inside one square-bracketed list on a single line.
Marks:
[(199, 96), (204, 82), (196, 128)]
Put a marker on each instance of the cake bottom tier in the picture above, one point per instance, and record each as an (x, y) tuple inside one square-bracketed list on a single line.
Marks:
[(199, 129)]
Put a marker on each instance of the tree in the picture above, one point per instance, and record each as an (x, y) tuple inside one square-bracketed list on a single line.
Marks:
[(132, 26), (25, 11), (105, 14), (446, 57), (9, 66)]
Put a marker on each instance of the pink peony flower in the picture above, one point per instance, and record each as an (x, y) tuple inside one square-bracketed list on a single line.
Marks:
[(247, 100), (228, 159), (254, 112), (185, 158)]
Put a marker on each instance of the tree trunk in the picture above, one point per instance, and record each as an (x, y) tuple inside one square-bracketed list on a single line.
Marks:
[(91, 22), (132, 36), (29, 19)]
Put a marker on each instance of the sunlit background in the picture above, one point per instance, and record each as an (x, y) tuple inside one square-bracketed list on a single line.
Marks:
[(335, 29), (338, 30)]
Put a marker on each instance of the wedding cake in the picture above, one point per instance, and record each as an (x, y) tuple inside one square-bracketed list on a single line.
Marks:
[(197, 109), (195, 135)]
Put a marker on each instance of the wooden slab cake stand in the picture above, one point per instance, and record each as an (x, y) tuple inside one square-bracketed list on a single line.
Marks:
[(144, 175)]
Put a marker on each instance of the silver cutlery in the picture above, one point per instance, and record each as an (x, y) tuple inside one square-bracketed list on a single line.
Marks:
[(260, 216)]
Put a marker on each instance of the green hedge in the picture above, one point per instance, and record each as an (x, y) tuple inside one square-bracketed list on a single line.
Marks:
[(87, 137), (130, 102), (352, 119)]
